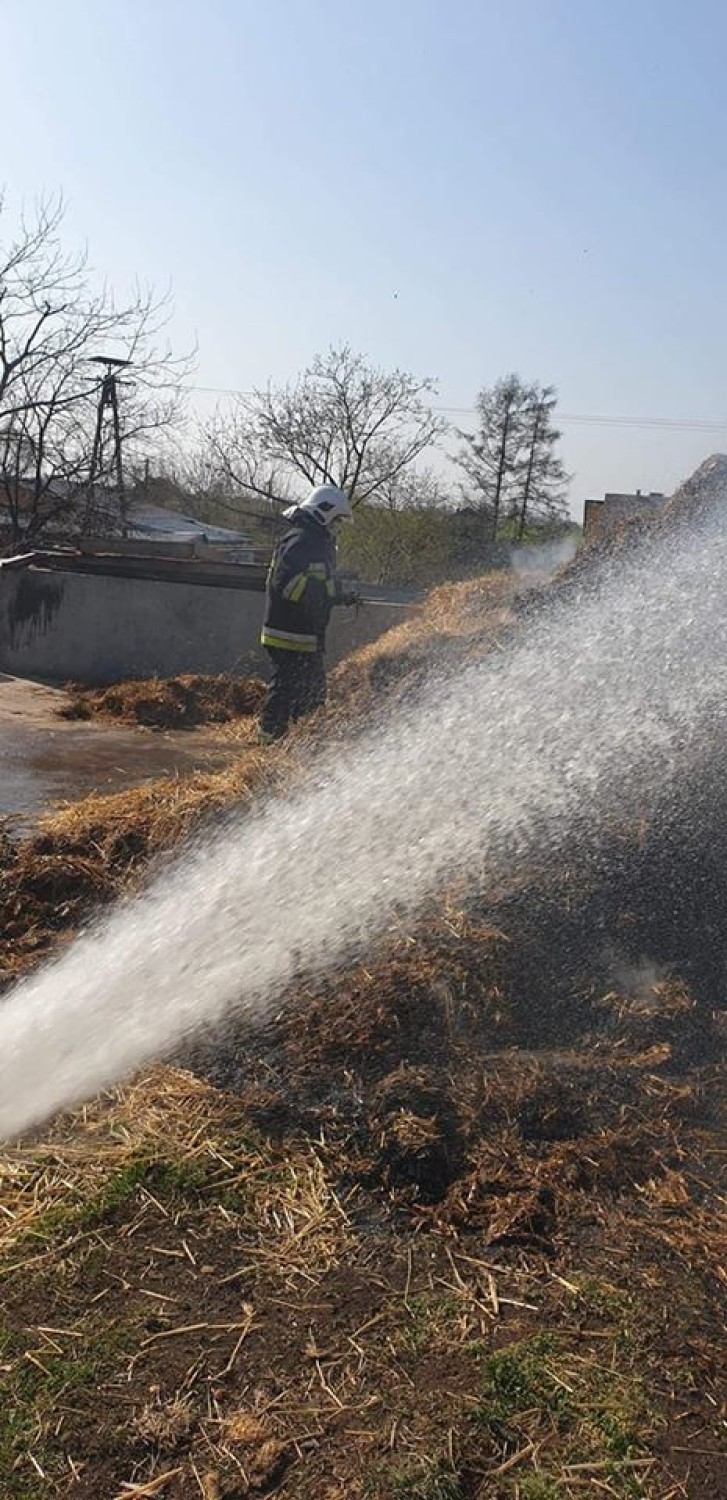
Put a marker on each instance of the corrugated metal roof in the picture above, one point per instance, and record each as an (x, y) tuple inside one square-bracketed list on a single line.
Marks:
[(154, 520)]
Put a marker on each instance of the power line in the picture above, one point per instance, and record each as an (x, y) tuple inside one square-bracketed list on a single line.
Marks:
[(603, 419), (668, 424), (593, 419)]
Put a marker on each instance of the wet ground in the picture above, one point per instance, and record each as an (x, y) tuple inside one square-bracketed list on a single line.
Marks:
[(45, 760)]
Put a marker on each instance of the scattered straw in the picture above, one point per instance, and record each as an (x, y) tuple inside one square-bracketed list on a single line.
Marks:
[(182, 702)]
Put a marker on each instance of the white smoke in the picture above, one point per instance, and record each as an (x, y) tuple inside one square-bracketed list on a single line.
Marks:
[(545, 559)]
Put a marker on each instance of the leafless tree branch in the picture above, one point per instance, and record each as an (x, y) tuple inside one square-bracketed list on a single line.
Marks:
[(53, 320), (342, 421)]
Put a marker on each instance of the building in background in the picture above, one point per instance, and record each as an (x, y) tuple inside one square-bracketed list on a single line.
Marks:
[(602, 517), (156, 524), (49, 512)]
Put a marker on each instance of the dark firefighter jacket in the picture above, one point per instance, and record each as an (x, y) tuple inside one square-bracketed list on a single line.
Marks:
[(301, 588)]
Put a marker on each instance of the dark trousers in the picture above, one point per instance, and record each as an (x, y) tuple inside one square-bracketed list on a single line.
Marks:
[(297, 687)]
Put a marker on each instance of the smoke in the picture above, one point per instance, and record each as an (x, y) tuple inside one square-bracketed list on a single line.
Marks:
[(638, 981), (581, 721), (545, 559)]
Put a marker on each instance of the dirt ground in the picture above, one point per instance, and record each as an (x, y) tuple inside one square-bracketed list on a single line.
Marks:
[(46, 760)]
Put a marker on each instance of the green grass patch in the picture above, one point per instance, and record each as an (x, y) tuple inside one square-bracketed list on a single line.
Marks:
[(179, 1183), (537, 1390), (518, 1380), (173, 1182), (539, 1487), (419, 1480), (602, 1299), (35, 1396), (427, 1322)]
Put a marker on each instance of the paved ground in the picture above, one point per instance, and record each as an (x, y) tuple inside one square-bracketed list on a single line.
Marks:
[(46, 760)]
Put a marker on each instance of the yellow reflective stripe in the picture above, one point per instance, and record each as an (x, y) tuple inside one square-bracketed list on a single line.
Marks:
[(318, 570), (296, 588), (286, 640), (292, 635), (331, 588)]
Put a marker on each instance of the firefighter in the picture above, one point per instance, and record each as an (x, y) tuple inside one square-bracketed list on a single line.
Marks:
[(302, 588)]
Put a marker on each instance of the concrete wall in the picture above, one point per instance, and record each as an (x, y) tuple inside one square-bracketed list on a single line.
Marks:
[(94, 628)]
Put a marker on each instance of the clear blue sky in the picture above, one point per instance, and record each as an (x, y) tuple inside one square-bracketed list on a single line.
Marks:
[(459, 187)]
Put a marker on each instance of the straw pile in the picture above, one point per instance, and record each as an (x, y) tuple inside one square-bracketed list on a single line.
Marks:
[(456, 622), (182, 702)]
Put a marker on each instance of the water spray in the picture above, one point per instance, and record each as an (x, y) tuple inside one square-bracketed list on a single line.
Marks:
[(487, 768)]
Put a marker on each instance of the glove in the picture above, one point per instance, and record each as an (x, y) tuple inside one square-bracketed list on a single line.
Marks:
[(349, 597)]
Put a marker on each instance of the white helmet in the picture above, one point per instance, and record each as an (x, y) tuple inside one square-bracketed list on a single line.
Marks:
[(327, 504)]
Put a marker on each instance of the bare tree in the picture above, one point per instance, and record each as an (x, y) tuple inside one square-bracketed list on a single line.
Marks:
[(413, 489), (53, 321), (343, 421), (229, 484)]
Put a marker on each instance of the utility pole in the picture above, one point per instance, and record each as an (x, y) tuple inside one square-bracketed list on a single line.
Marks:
[(108, 401)]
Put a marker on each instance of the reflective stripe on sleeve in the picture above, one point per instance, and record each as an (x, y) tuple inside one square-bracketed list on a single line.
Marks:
[(296, 588)]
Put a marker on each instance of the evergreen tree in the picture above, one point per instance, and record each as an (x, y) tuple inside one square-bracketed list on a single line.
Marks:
[(491, 457), (513, 473), (542, 479)]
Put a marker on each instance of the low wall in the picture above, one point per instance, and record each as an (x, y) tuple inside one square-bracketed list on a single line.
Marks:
[(64, 626)]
